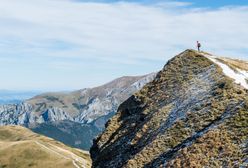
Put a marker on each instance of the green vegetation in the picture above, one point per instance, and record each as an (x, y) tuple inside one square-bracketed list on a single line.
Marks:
[(78, 106), (51, 98), (70, 133)]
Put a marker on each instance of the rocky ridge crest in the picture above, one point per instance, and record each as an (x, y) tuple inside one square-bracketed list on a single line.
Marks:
[(191, 115)]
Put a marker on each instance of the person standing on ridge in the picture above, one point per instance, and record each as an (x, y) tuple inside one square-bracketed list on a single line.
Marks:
[(198, 46)]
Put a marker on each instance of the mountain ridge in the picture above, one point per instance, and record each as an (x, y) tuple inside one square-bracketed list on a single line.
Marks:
[(54, 114), (191, 115)]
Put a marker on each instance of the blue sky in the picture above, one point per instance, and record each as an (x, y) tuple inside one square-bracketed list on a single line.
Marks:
[(195, 3), (216, 3), (53, 45)]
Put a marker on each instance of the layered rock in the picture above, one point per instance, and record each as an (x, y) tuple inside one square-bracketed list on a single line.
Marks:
[(23, 114), (16, 114)]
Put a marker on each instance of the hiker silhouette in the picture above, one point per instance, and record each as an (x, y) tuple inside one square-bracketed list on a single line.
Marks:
[(198, 46)]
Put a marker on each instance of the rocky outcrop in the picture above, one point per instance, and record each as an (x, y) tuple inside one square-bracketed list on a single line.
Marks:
[(16, 114), (106, 99), (22, 114), (55, 114), (192, 115)]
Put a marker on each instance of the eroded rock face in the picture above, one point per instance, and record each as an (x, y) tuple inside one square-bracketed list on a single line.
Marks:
[(55, 114), (83, 106), (22, 114), (106, 99), (15, 114), (191, 115)]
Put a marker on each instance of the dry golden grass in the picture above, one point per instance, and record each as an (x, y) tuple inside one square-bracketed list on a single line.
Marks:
[(61, 100), (21, 148), (155, 125), (235, 63), (209, 151)]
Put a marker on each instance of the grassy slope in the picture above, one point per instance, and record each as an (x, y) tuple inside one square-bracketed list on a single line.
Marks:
[(214, 125), (21, 148), (235, 64)]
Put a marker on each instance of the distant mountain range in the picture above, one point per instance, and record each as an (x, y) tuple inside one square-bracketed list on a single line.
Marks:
[(12, 97), (74, 118)]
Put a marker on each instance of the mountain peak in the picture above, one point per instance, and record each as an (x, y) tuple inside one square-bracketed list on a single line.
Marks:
[(192, 115), (233, 68)]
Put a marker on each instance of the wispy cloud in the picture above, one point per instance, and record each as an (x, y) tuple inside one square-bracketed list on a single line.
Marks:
[(118, 34)]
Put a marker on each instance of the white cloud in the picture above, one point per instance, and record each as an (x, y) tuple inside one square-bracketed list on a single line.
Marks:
[(118, 33), (120, 29)]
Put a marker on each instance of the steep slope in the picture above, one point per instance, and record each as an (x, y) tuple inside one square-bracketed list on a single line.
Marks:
[(21, 148), (71, 133), (55, 114), (191, 115)]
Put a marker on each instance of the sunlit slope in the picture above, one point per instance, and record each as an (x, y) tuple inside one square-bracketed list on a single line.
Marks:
[(21, 148)]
